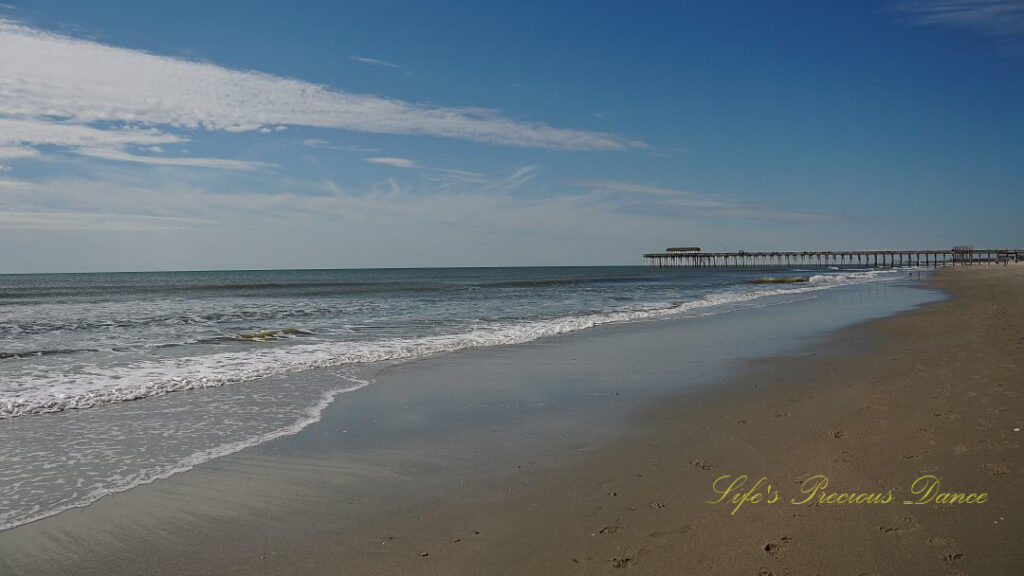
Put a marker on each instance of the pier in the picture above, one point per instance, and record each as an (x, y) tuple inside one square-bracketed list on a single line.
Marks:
[(692, 257)]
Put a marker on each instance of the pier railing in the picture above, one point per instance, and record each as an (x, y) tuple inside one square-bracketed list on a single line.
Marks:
[(960, 255)]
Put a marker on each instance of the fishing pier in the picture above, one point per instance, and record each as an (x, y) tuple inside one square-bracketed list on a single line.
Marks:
[(693, 257)]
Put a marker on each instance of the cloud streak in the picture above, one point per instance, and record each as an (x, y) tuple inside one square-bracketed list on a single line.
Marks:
[(20, 132), (449, 178), (395, 162), (679, 197), (80, 85), (121, 156), (94, 221), (673, 203), (374, 62), (990, 17)]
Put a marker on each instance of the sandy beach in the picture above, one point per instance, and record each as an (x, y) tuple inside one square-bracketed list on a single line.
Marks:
[(936, 392), (619, 483), (932, 392)]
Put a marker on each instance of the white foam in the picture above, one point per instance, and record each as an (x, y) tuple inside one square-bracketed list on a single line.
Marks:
[(845, 278), (121, 483)]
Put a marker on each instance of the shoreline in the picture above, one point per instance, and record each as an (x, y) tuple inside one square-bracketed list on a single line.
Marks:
[(563, 503)]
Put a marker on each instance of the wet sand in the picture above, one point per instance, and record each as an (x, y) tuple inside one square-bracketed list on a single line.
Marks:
[(933, 391)]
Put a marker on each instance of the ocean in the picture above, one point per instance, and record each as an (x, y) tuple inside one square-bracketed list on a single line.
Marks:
[(108, 381)]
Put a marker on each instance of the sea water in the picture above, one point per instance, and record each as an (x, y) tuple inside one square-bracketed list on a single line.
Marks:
[(108, 381)]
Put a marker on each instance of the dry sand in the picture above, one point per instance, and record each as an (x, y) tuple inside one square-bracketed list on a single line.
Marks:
[(937, 391)]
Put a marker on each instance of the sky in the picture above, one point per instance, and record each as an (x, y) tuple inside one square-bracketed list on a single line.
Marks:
[(318, 134)]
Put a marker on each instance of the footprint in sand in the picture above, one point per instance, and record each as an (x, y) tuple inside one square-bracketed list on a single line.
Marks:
[(997, 469), (777, 547), (953, 557), (620, 562), (626, 560)]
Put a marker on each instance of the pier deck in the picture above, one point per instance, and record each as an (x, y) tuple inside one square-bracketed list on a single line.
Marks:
[(960, 255)]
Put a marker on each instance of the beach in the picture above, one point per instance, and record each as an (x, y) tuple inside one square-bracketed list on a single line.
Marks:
[(605, 464)]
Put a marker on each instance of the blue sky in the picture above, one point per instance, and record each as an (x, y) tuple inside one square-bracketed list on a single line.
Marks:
[(199, 135)]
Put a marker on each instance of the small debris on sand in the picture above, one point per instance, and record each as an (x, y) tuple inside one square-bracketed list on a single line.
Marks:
[(701, 463)]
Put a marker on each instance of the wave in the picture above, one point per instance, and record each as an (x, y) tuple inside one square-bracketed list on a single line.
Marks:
[(268, 335), (56, 392), (557, 282), (105, 292), (36, 353), (780, 280), (844, 278), (56, 319)]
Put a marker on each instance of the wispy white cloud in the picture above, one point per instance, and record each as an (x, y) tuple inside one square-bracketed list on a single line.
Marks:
[(87, 84), (680, 197), (20, 137), (321, 143), (449, 177), (991, 17), (760, 212), (122, 156), (374, 62), (519, 177), (671, 203), (10, 184), (31, 132), (14, 152), (464, 181), (94, 221), (395, 162)]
